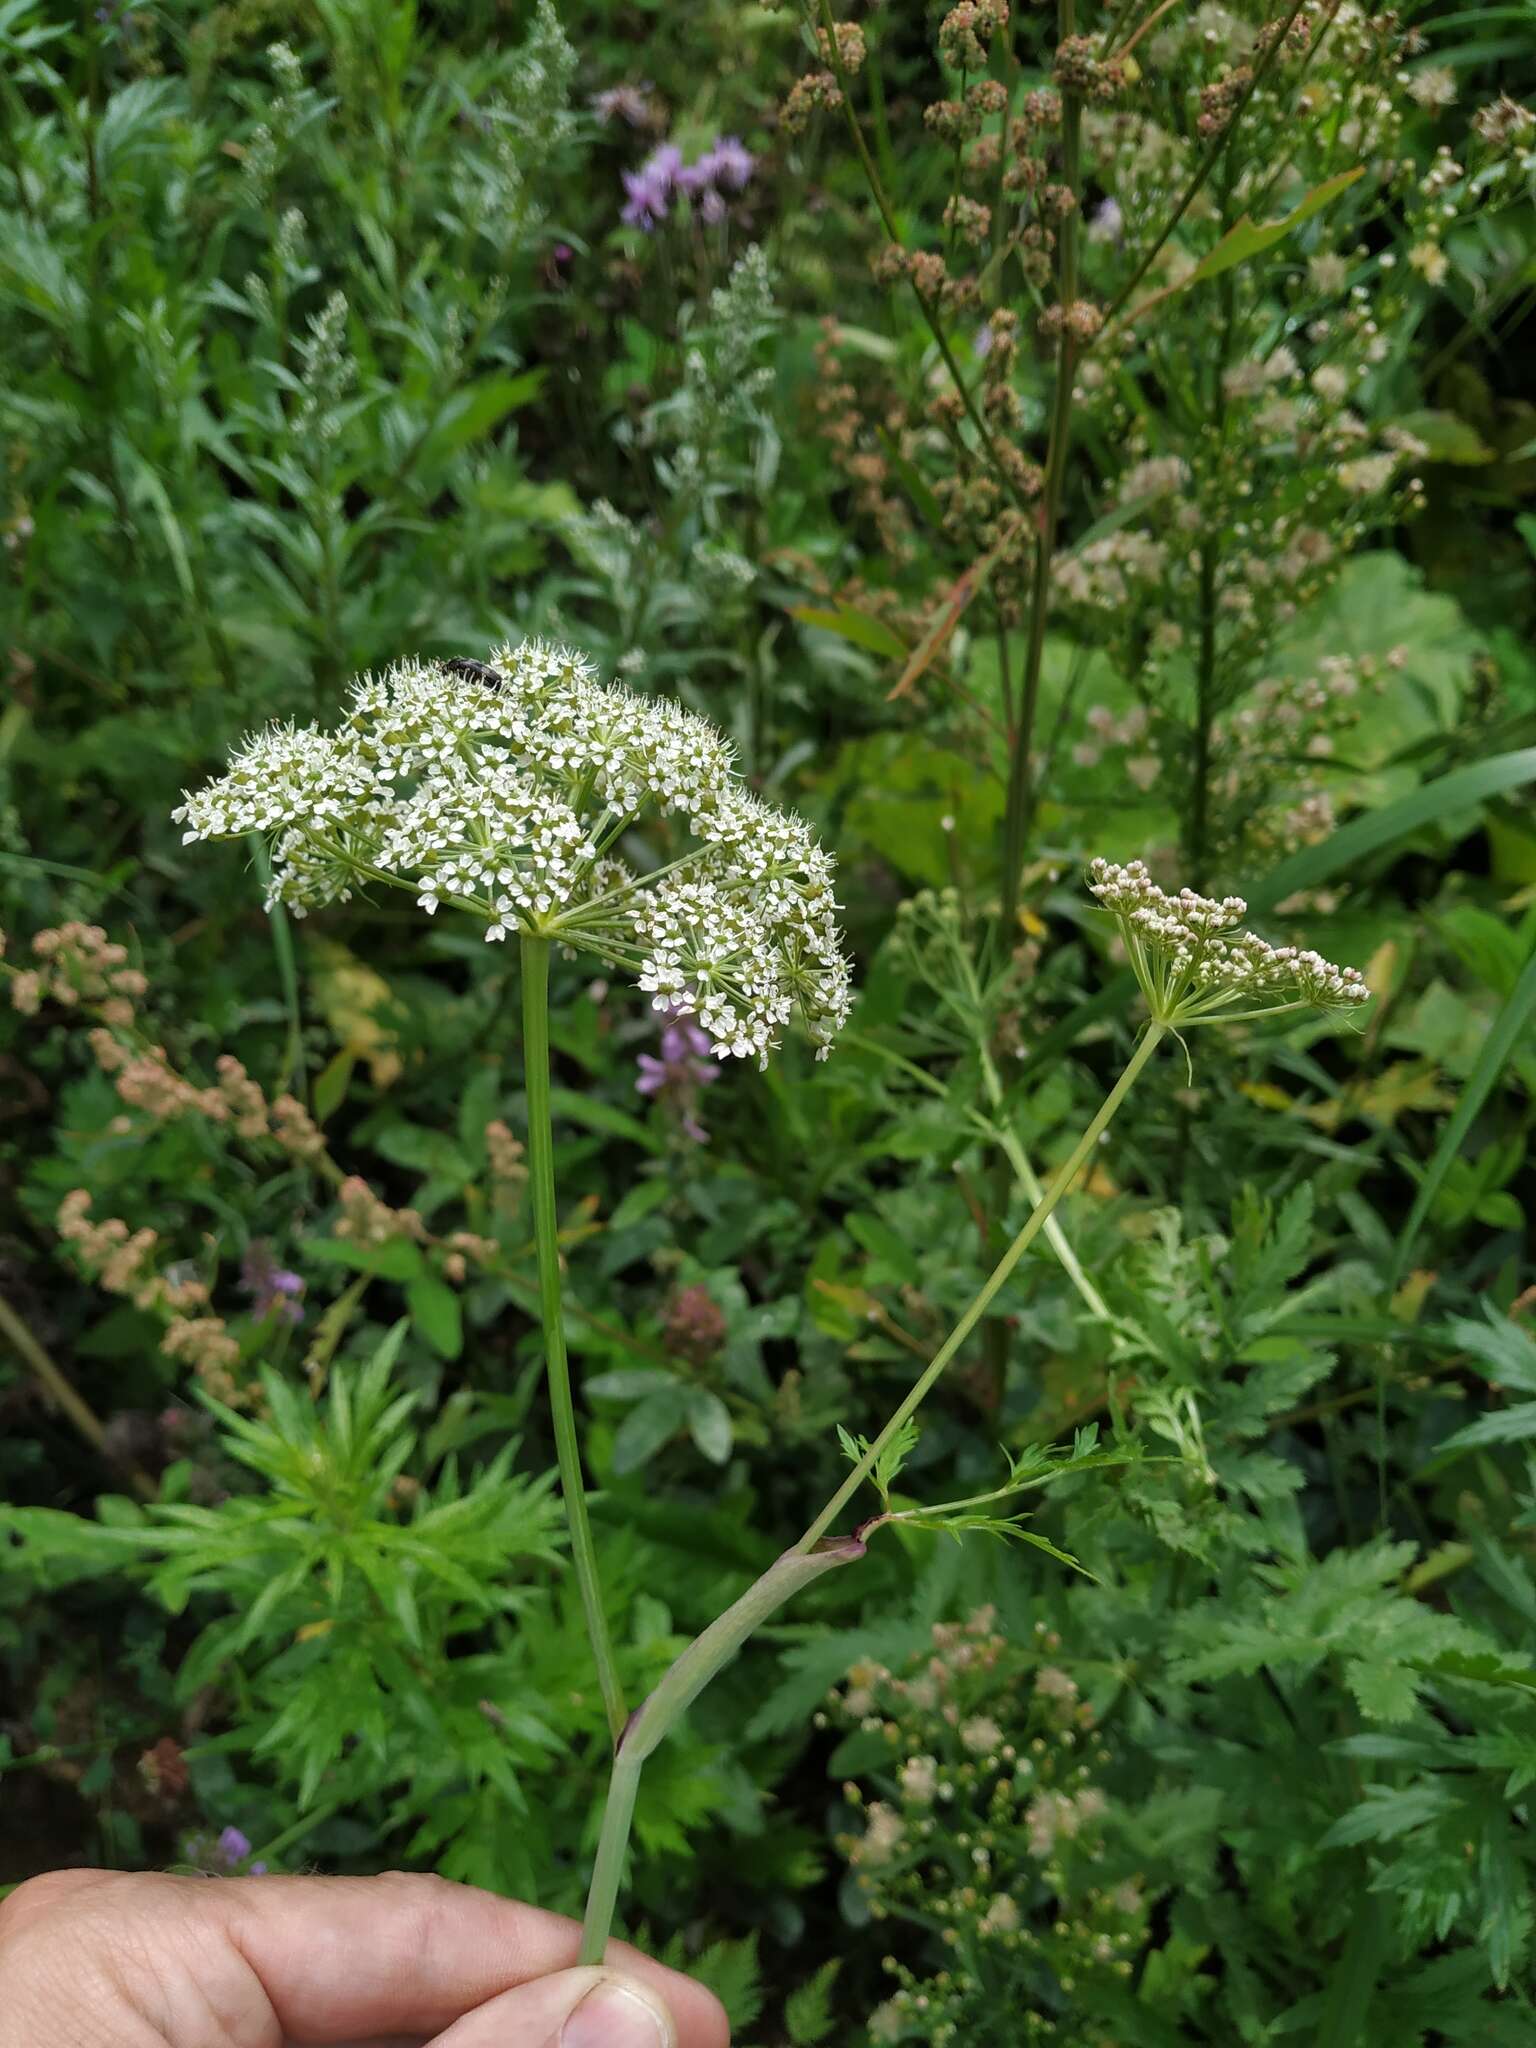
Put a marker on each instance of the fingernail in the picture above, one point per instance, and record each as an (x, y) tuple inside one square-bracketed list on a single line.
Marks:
[(611, 2017)]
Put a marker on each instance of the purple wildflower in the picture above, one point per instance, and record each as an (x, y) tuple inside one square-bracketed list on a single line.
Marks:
[(649, 190), (682, 1070), (726, 166), (273, 1289), (729, 163), (233, 1846)]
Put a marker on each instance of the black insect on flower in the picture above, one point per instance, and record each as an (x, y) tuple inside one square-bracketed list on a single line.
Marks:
[(475, 672)]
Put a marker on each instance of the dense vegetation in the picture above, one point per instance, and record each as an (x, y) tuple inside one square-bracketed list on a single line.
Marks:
[(1031, 438)]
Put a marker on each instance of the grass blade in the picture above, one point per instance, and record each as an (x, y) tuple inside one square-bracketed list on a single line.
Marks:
[(1516, 1014)]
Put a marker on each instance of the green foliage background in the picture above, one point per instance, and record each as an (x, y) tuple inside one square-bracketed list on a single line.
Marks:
[(312, 364)]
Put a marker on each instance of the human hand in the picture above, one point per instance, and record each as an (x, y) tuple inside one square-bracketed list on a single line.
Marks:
[(107, 1959)]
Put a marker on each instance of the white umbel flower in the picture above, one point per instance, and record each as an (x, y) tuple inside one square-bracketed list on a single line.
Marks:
[(509, 799), (1196, 966)]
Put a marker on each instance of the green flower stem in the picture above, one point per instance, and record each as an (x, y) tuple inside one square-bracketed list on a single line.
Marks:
[(687, 1678), (1034, 1223), (1028, 1180), (813, 1555), (612, 1848), (541, 1181)]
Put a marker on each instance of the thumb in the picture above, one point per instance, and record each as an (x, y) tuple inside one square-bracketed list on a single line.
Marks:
[(589, 2008)]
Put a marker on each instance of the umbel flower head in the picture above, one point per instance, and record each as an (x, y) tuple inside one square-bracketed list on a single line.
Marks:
[(1196, 966), (507, 793)]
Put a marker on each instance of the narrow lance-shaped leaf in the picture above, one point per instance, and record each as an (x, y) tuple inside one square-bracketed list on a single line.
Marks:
[(1248, 238)]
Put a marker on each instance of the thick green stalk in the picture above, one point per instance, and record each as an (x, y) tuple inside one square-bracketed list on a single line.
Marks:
[(612, 1848), (651, 1723), (1034, 1223), (541, 1181)]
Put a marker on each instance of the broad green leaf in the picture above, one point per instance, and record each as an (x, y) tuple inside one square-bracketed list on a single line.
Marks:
[(422, 1151), (396, 1259), (331, 1083), (709, 1424), (598, 1115), (627, 1386), (650, 1424), (435, 1311), (475, 411), (638, 1203)]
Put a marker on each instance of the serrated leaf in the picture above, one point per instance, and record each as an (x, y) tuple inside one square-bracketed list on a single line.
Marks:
[(1385, 1814), (1481, 1669), (808, 2014), (1386, 1692), (730, 1969)]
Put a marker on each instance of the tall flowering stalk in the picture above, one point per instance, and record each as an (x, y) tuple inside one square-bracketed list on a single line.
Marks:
[(508, 791)]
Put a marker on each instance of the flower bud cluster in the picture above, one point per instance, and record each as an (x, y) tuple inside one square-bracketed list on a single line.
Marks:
[(1195, 964), (78, 966), (1083, 69), (966, 32), (990, 1834), (510, 799), (122, 1261)]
